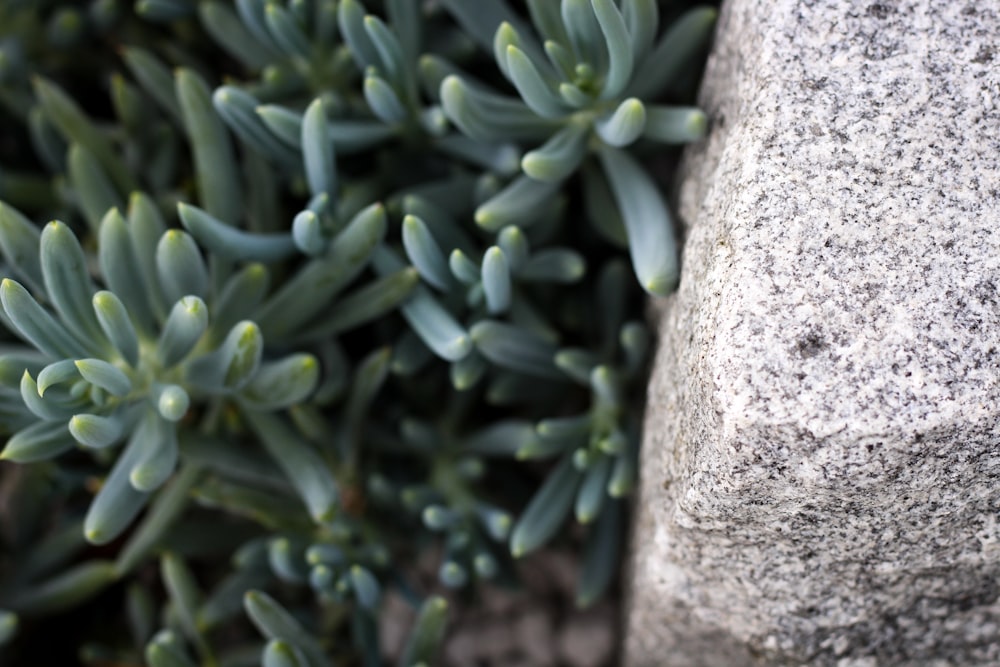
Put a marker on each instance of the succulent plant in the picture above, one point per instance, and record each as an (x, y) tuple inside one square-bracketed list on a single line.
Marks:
[(295, 292)]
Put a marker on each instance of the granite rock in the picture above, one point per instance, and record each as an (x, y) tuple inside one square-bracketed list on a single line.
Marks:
[(821, 468)]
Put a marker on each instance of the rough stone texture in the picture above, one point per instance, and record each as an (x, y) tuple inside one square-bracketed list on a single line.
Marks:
[(821, 473)]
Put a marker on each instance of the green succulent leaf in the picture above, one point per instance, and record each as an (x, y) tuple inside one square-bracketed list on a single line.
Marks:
[(65, 590), (95, 431), (383, 100), (95, 192), (647, 220), (301, 464), (146, 229), (424, 252), (238, 109), (76, 127), (118, 502), (534, 89), (233, 364), (428, 632), (154, 77), (547, 509), (184, 593), (520, 203), (624, 125), (180, 266), (116, 324), (120, 257), (229, 32), (215, 163), (279, 653), (317, 150), (282, 384), (365, 304), (35, 325), (43, 409), (584, 32), (275, 623), (107, 376), (239, 298), (618, 43), (486, 116), (8, 626), (554, 265), (675, 125), (20, 241), (601, 555), (365, 587), (165, 511), (515, 348), (677, 49), (306, 293), (392, 61), (496, 280), (592, 493), (172, 401), (38, 442), (427, 317), (463, 268), (559, 156), (642, 17), (158, 456), (226, 241), (285, 31), (351, 18), (251, 12), (55, 373), (163, 654), (184, 327)]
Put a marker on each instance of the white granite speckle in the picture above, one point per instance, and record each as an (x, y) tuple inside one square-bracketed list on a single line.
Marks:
[(821, 473)]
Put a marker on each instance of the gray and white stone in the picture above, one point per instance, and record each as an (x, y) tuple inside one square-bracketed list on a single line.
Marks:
[(821, 469)]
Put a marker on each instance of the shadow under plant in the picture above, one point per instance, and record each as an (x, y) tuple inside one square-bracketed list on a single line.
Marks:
[(328, 286)]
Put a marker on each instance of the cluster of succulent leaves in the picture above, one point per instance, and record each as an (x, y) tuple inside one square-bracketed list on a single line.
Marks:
[(297, 291)]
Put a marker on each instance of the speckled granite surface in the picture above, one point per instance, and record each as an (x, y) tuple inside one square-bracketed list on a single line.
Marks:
[(821, 473)]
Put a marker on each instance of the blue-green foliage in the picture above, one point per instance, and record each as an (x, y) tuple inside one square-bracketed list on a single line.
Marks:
[(303, 282)]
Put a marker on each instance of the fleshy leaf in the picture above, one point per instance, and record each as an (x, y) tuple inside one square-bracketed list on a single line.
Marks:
[(274, 622), (496, 280), (232, 243), (20, 241), (117, 326), (95, 431), (515, 348), (547, 509), (38, 442), (108, 377), (425, 253), (233, 365), (281, 384), (301, 464), (317, 150), (117, 502), (184, 327), (619, 47), (427, 634), (520, 203), (647, 221), (310, 290), (625, 125), (559, 156), (601, 554), (214, 160)]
